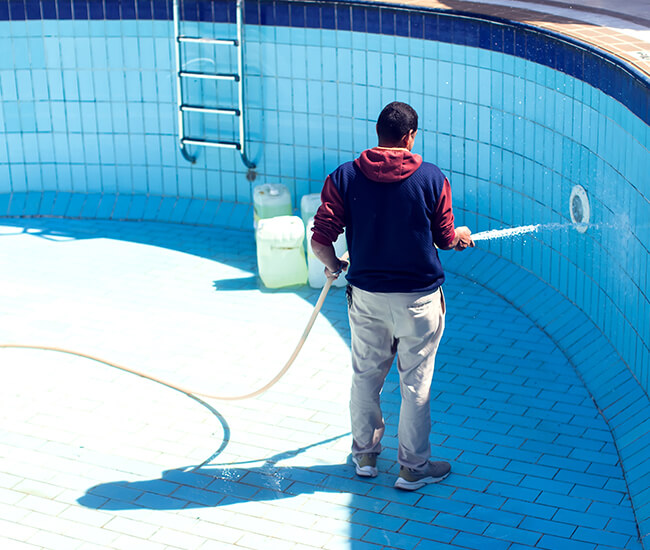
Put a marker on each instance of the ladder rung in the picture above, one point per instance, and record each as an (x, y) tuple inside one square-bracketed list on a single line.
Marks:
[(207, 143), (197, 40), (209, 76), (211, 110)]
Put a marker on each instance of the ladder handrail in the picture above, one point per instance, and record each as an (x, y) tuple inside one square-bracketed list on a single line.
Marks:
[(240, 85), (238, 78), (179, 86)]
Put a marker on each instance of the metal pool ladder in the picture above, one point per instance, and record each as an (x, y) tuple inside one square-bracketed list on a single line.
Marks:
[(181, 74)]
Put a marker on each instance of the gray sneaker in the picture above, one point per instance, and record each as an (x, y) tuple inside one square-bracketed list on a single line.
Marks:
[(434, 472), (366, 465)]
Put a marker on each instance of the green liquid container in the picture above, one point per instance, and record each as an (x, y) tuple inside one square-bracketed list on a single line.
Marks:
[(271, 200), (280, 252)]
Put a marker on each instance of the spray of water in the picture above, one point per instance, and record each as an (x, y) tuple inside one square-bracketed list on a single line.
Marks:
[(514, 231), (502, 233)]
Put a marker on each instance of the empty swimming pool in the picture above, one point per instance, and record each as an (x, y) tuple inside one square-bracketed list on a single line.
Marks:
[(542, 405)]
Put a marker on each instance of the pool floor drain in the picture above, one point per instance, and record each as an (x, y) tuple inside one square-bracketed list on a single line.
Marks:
[(579, 208)]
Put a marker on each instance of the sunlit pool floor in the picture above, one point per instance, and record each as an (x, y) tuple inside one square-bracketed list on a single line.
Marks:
[(93, 457)]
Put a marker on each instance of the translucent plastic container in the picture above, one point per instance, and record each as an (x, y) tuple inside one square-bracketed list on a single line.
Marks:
[(271, 200), (280, 252), (316, 268), (308, 206)]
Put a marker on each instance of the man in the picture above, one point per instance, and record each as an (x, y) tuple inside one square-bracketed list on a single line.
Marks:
[(395, 209)]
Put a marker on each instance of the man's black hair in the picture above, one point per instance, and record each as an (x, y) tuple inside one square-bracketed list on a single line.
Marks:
[(395, 121)]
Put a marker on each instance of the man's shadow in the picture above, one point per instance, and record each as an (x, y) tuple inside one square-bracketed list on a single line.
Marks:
[(223, 484)]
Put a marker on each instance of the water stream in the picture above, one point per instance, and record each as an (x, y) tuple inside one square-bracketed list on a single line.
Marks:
[(514, 231)]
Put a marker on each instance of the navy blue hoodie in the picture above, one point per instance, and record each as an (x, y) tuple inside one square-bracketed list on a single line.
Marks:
[(394, 208)]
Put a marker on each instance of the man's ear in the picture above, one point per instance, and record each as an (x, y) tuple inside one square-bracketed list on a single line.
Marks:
[(406, 138)]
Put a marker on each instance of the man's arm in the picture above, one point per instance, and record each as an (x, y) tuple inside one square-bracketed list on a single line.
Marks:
[(445, 235), (328, 225), (325, 253)]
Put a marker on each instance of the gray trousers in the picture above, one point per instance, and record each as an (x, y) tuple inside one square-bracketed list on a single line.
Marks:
[(382, 325)]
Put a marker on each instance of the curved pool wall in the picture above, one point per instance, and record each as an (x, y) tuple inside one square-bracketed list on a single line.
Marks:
[(515, 116)]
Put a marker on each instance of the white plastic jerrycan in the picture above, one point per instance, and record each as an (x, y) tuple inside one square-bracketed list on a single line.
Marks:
[(316, 268), (271, 200), (308, 206), (280, 252)]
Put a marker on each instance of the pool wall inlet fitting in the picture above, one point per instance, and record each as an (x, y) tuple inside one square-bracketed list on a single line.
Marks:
[(579, 208)]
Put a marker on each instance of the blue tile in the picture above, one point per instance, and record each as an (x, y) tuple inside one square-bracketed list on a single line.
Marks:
[(5, 199), (46, 203), (17, 204), (551, 542), (498, 474), (387, 18), (60, 206), (75, 206), (521, 534), (513, 491), (328, 18), (555, 527), (222, 215), (116, 492), (608, 497), (17, 10), (371, 519), (96, 10), (143, 9), (529, 508), (33, 9), (603, 457), (312, 16), (394, 540), (469, 540), (428, 531), (358, 19), (160, 502), (463, 524), (105, 207), (598, 536), (121, 207), (90, 205), (64, 9), (372, 20), (239, 215), (443, 505), (160, 11), (495, 516)]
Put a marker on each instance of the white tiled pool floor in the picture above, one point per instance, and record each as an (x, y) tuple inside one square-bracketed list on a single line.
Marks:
[(93, 457)]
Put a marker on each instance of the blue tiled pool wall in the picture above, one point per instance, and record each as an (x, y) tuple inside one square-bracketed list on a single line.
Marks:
[(89, 120)]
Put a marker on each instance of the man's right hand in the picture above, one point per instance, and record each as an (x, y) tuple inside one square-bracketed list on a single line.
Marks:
[(343, 266), (463, 234)]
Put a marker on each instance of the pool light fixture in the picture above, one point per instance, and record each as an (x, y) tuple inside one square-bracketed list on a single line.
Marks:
[(579, 208)]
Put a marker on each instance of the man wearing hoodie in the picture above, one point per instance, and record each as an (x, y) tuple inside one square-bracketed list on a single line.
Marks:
[(395, 209)]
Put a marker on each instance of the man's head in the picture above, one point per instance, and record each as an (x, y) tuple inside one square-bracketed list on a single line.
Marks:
[(397, 125)]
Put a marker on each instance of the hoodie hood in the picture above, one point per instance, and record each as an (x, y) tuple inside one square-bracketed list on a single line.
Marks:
[(388, 165)]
